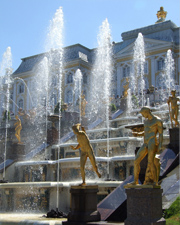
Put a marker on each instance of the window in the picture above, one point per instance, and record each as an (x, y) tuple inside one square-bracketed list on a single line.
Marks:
[(53, 100), (11, 95), (69, 78), (139, 70), (85, 78), (54, 81), (43, 101), (21, 104), (69, 96), (21, 88), (126, 71), (160, 64), (33, 85), (146, 68)]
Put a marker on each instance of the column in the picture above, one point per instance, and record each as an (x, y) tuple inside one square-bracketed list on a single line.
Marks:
[(153, 71)]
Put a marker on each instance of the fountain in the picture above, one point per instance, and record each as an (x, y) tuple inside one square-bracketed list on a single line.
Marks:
[(137, 83), (78, 92), (102, 71), (6, 65), (42, 177), (169, 73)]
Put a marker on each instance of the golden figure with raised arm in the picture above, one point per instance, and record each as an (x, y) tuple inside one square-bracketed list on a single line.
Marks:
[(18, 129), (172, 101), (86, 150), (152, 126)]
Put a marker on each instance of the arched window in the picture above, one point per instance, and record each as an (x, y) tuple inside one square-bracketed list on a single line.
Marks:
[(126, 71), (160, 64), (69, 78), (85, 78), (69, 96), (21, 88), (145, 68), (21, 104)]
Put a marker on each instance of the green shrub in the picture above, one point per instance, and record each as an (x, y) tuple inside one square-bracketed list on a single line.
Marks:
[(113, 107), (6, 116), (173, 209)]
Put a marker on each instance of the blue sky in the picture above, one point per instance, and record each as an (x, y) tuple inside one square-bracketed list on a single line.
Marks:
[(24, 23)]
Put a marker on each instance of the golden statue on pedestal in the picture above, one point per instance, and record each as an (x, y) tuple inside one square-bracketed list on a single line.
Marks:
[(18, 129), (172, 101), (86, 150), (161, 15), (152, 146)]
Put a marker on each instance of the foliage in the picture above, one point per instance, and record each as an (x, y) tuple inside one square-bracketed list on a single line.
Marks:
[(134, 101), (173, 220), (172, 214), (113, 107), (56, 110), (5, 116)]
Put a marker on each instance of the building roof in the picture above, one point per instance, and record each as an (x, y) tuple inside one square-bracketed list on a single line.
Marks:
[(165, 31), (72, 52)]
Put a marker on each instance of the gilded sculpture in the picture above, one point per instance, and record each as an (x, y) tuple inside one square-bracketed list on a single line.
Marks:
[(126, 87), (161, 15), (18, 129), (86, 150), (83, 105), (173, 108), (152, 145)]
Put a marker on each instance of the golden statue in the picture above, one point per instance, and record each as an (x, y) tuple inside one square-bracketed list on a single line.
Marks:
[(126, 87), (82, 107), (161, 15), (18, 129), (174, 108), (152, 126), (86, 150)]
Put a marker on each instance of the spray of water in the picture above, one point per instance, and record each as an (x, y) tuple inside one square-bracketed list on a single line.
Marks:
[(101, 78), (6, 70), (78, 89), (18, 78), (137, 79), (129, 102), (54, 47), (6, 63), (169, 72)]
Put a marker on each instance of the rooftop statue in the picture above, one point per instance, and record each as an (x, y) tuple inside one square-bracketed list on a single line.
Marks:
[(18, 129), (161, 15), (173, 108), (86, 150), (152, 126)]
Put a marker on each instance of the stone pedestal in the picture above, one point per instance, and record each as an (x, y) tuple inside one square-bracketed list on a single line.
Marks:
[(83, 205), (123, 103), (18, 151), (174, 139), (144, 206), (52, 136)]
